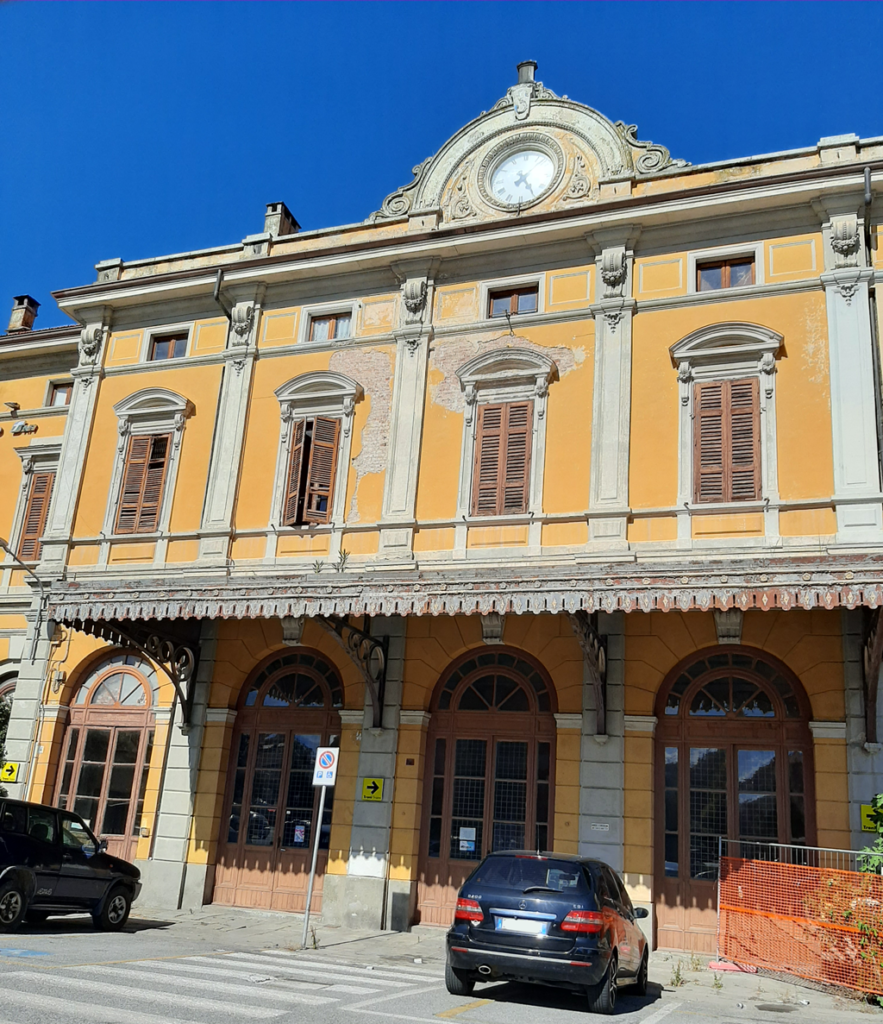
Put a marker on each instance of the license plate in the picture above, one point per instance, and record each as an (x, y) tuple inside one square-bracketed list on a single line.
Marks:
[(520, 925)]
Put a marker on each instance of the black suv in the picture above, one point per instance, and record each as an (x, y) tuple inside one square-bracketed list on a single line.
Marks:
[(50, 863), (547, 918)]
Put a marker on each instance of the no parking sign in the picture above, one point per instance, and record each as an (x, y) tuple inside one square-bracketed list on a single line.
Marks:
[(325, 771)]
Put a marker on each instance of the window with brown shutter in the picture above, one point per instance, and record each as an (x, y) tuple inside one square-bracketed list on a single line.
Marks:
[(144, 477), (726, 441), (35, 516), (309, 493), (501, 474)]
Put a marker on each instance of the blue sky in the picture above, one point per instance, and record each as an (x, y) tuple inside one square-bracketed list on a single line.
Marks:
[(137, 129)]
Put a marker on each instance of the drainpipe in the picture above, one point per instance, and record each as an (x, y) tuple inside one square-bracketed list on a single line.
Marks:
[(162, 776), (216, 294), (872, 309)]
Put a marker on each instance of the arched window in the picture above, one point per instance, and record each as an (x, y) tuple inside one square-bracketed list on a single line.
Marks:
[(107, 749), (287, 710), (490, 770), (734, 753)]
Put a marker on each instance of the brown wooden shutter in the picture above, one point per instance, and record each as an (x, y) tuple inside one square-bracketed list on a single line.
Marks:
[(744, 440), (501, 474), (143, 480), (726, 461), (323, 462), (486, 472), (516, 469), (295, 463), (35, 516)]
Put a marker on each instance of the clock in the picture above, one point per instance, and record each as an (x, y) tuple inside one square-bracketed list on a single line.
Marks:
[(522, 177)]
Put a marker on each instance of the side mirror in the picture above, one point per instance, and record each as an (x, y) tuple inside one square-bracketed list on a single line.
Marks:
[(102, 846), (641, 912)]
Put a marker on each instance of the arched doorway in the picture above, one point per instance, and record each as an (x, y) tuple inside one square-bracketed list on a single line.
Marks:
[(286, 711), (489, 776), (734, 759), (107, 747)]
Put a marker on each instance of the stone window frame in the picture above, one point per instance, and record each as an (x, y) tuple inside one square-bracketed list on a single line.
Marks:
[(40, 456), (732, 350), (323, 309), (503, 375), (500, 284), (321, 393), (145, 413), (152, 333), (725, 252)]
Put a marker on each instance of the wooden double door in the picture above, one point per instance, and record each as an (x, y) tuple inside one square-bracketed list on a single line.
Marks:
[(272, 809)]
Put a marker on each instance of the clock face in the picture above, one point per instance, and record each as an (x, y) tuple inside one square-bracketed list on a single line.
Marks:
[(522, 177)]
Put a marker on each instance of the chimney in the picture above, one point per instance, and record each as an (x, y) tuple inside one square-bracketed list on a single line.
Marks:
[(526, 71), (279, 220), (24, 313)]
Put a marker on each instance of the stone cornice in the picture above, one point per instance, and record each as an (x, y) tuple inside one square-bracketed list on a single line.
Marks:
[(845, 581)]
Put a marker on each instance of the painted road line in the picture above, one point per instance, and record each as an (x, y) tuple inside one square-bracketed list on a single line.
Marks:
[(93, 988), (253, 991), (232, 971), (457, 1010), (654, 1018), (383, 971), (268, 963), (56, 1008)]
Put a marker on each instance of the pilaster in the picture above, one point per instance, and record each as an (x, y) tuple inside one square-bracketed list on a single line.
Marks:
[(413, 338), (366, 897), (81, 414), (612, 388), (226, 455), (170, 882), (850, 352)]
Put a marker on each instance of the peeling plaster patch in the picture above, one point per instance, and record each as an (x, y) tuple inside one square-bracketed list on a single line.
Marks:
[(815, 349), (448, 356), (373, 370)]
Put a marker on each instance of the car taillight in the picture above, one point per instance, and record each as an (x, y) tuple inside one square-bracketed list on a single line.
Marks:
[(582, 921), (468, 910)]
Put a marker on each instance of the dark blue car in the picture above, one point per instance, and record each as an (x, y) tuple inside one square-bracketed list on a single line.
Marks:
[(50, 863), (551, 919)]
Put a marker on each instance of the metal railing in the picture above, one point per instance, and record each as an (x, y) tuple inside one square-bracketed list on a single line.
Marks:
[(823, 857)]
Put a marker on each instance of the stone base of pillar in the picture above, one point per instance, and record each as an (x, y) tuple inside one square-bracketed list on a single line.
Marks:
[(352, 901), (170, 885)]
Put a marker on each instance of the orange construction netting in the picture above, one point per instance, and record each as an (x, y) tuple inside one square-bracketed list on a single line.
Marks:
[(817, 923)]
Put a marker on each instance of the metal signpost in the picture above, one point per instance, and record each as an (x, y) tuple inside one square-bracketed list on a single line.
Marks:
[(324, 775)]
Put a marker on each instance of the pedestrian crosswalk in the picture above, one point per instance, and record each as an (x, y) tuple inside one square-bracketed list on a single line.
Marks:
[(260, 986)]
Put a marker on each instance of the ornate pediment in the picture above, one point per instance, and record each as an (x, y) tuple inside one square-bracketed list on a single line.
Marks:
[(533, 150)]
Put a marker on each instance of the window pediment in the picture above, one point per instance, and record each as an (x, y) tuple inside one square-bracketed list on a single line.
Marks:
[(734, 343), (320, 392), (153, 408), (508, 368)]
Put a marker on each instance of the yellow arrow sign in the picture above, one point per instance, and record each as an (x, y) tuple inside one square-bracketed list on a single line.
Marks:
[(9, 771), (868, 824), (372, 789)]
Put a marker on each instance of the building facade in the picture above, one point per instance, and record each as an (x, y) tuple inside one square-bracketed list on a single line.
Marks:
[(551, 491)]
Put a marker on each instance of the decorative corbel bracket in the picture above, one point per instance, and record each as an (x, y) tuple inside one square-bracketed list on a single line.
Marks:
[(369, 655), (173, 648), (594, 648)]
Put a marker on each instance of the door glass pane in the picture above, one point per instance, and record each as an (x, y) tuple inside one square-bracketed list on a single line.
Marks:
[(542, 806), (437, 805), (510, 796), (138, 820), (708, 809), (238, 789), (672, 796), (122, 779), (265, 788), (758, 813), (68, 770), (298, 826), (91, 780), (467, 817)]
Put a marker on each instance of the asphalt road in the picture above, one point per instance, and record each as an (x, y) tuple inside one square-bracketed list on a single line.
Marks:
[(158, 972)]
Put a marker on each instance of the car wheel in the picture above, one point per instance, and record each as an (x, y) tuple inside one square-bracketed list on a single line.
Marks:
[(115, 912), (13, 903), (641, 978), (602, 997), (36, 916), (458, 983)]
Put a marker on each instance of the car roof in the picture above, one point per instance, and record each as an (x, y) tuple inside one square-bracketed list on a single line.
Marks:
[(549, 855)]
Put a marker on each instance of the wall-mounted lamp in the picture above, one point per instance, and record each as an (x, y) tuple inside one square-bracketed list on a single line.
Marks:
[(12, 406)]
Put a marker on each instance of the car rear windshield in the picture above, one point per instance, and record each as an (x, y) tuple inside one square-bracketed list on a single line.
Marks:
[(524, 873)]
